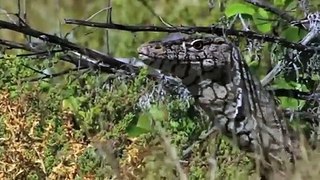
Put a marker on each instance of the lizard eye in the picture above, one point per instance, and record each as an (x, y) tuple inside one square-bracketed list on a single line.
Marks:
[(157, 46), (197, 44)]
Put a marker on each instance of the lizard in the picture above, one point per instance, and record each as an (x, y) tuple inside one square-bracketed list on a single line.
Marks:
[(219, 79)]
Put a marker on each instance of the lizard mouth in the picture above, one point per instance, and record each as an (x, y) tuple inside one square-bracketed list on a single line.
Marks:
[(144, 57), (143, 53)]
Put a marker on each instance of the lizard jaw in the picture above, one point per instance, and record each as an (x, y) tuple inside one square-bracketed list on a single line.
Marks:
[(145, 58), (143, 53)]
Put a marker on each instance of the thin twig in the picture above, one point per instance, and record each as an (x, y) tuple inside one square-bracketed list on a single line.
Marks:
[(145, 4), (53, 75), (202, 137), (62, 42), (192, 30), (35, 70), (14, 45), (272, 74), (171, 150), (108, 20), (269, 7), (89, 18)]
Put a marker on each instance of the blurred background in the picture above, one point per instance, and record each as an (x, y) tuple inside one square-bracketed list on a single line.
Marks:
[(48, 16)]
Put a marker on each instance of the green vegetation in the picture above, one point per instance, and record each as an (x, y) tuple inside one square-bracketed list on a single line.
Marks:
[(77, 127)]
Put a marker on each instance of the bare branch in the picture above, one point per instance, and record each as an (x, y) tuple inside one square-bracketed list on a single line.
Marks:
[(108, 9), (14, 45), (193, 29), (53, 75), (269, 7), (65, 44)]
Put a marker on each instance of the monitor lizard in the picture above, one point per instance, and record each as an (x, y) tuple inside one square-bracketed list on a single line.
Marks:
[(216, 75)]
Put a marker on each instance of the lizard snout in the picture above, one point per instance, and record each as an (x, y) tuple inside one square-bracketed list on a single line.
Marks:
[(150, 49)]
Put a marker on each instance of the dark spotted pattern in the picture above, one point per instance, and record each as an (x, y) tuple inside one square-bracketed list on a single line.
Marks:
[(213, 71)]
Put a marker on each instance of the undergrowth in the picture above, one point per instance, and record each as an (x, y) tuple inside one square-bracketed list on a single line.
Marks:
[(84, 128)]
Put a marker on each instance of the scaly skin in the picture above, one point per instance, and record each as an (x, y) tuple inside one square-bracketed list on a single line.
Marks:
[(213, 71)]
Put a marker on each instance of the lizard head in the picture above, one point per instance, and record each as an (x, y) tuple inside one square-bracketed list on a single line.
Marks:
[(196, 51)]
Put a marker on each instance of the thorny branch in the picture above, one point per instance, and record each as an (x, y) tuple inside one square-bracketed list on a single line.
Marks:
[(193, 29)]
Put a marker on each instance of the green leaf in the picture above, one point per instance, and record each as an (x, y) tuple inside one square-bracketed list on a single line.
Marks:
[(158, 114), (261, 21), (291, 34), (315, 77), (145, 121), (253, 64), (291, 103), (136, 131), (174, 124), (82, 99), (96, 110), (45, 86), (263, 13), (291, 5), (279, 2), (239, 8), (83, 114), (70, 103), (282, 83)]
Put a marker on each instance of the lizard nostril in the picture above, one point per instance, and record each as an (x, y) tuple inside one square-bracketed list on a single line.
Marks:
[(157, 47)]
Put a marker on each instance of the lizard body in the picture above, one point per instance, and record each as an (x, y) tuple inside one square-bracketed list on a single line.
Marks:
[(220, 81)]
